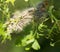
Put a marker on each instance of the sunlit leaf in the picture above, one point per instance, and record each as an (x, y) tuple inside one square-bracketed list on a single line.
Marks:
[(52, 44), (28, 39), (27, 48), (12, 1), (35, 45)]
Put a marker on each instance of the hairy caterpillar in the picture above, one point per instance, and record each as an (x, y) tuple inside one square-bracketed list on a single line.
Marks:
[(19, 20), (23, 18)]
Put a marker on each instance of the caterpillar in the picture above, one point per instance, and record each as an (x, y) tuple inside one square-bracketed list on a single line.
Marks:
[(19, 20), (23, 18)]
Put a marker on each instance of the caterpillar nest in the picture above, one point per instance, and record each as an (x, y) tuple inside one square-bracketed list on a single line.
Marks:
[(19, 20)]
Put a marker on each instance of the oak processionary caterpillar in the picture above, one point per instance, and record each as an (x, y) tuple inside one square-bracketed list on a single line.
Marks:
[(19, 20), (23, 18)]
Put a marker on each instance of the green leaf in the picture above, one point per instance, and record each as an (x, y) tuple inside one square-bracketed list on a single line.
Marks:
[(12, 1), (28, 39), (27, 48), (52, 44), (35, 45)]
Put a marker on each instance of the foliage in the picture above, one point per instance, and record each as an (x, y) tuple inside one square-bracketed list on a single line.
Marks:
[(5, 15), (47, 27)]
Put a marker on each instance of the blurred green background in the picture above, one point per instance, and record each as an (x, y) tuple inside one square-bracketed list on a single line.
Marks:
[(21, 4)]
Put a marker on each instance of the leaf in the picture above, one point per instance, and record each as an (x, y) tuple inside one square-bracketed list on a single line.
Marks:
[(52, 44), (28, 39), (27, 48), (12, 1), (35, 45)]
